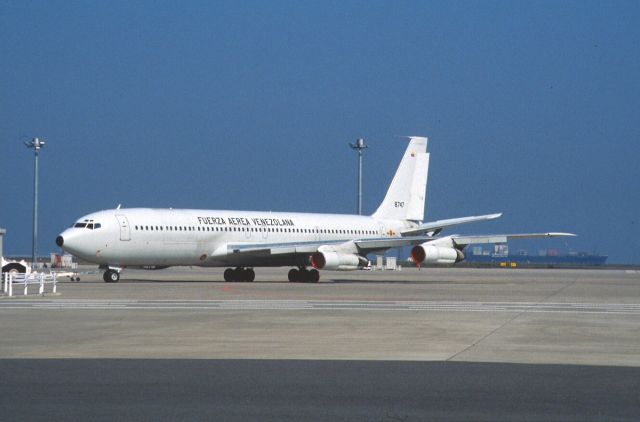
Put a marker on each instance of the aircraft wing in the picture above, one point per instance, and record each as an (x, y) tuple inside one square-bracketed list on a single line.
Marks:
[(362, 246), (365, 246), (463, 241), (437, 226), (275, 248)]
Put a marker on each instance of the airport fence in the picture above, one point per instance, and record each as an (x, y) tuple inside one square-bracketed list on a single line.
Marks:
[(26, 280)]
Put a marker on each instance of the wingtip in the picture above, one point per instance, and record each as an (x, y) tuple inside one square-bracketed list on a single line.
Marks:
[(561, 234)]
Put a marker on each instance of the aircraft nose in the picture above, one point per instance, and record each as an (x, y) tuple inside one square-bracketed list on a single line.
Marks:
[(60, 241)]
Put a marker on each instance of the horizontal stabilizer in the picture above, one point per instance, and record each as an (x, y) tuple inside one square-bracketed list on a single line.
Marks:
[(441, 224), (503, 238)]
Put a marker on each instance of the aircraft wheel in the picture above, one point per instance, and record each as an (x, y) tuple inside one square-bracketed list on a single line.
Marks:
[(228, 275), (111, 276), (250, 275), (314, 276), (293, 275)]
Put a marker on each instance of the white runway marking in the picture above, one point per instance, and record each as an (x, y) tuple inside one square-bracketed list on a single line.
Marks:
[(346, 305)]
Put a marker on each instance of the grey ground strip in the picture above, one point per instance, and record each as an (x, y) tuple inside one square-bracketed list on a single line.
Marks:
[(429, 306)]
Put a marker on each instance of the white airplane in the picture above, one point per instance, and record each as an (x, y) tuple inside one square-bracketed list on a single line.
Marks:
[(241, 240)]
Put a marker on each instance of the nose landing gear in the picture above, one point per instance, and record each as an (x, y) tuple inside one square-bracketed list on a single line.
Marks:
[(239, 274), (111, 276)]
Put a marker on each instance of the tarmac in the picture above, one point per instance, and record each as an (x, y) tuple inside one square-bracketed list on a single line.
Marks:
[(402, 345)]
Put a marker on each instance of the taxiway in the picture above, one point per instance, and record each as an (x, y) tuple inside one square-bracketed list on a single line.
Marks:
[(514, 327)]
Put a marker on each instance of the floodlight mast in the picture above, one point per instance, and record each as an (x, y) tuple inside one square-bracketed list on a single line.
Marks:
[(360, 147), (36, 144)]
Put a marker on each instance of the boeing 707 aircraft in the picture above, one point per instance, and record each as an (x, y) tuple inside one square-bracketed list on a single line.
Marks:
[(242, 240)]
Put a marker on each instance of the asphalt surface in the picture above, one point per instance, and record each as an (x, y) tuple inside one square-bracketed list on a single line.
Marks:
[(444, 344), (266, 390)]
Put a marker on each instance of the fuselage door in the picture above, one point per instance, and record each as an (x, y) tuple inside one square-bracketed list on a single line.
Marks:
[(125, 232)]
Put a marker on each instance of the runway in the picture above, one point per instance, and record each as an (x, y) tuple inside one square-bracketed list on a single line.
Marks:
[(446, 344)]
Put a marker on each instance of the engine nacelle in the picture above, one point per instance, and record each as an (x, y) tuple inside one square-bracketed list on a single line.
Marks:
[(439, 255), (337, 261)]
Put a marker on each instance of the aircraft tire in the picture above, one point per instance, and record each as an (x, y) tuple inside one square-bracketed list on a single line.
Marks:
[(314, 276), (293, 275), (250, 275), (228, 275), (111, 276)]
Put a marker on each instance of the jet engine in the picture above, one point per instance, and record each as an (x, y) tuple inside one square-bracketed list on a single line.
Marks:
[(337, 261), (439, 255)]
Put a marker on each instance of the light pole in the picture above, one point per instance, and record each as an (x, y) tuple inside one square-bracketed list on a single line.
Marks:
[(36, 144), (360, 147)]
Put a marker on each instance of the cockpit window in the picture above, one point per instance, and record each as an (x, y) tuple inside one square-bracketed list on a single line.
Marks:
[(80, 225), (90, 226), (97, 226)]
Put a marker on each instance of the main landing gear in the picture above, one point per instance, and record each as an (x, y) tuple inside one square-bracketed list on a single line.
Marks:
[(111, 276), (239, 274), (303, 275)]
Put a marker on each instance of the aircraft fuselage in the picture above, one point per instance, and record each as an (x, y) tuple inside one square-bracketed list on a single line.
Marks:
[(173, 237)]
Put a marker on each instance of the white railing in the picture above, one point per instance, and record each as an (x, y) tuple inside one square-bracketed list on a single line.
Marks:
[(26, 280)]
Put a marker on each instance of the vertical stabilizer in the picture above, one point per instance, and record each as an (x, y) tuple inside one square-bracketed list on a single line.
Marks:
[(406, 195)]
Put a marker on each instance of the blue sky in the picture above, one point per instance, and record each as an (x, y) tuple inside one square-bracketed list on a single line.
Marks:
[(532, 109)]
